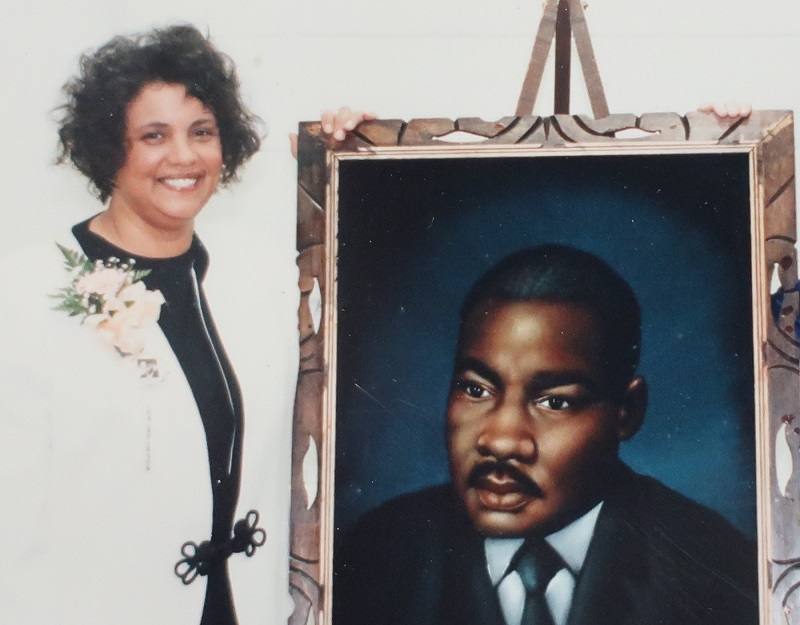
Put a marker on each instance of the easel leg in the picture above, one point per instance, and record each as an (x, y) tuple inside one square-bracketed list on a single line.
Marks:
[(541, 48), (562, 20), (591, 73)]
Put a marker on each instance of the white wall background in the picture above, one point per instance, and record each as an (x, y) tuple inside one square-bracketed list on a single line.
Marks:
[(417, 58)]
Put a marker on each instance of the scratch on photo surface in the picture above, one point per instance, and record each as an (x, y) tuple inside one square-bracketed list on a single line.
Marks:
[(420, 408), (371, 396)]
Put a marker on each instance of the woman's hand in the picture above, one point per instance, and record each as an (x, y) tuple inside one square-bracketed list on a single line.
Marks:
[(730, 110), (337, 124)]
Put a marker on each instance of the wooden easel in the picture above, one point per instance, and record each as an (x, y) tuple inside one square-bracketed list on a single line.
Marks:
[(562, 20)]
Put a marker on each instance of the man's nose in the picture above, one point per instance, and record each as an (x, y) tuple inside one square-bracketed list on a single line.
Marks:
[(508, 432)]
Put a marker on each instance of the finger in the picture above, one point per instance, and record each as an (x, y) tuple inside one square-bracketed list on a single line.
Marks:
[(721, 109), (327, 121), (739, 110), (293, 143), (342, 123), (356, 117)]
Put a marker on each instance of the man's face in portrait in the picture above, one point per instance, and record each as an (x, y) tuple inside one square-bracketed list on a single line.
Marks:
[(533, 425)]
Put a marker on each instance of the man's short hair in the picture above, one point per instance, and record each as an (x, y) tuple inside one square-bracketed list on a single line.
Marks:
[(559, 273)]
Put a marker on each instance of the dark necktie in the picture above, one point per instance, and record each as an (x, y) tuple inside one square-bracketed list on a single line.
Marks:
[(536, 563)]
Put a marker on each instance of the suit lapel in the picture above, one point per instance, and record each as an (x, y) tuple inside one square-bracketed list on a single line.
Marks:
[(612, 587), (255, 329), (469, 595)]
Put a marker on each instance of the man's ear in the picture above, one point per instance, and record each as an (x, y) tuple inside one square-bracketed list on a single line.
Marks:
[(633, 408)]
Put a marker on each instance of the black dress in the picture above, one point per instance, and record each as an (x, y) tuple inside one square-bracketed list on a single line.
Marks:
[(187, 324)]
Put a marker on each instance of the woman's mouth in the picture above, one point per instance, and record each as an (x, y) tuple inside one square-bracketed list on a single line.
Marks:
[(180, 184)]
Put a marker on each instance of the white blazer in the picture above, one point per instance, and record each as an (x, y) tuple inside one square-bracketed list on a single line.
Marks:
[(103, 475)]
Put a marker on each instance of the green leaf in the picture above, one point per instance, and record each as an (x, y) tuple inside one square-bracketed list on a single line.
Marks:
[(71, 308), (138, 274), (73, 259)]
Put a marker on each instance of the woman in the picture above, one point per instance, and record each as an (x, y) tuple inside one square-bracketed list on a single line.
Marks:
[(133, 421)]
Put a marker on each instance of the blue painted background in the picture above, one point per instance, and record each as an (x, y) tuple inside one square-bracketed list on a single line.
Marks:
[(415, 234)]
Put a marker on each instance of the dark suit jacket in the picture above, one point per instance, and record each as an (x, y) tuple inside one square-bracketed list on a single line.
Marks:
[(656, 557)]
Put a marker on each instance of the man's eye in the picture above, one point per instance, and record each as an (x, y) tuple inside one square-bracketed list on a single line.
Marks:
[(555, 403), (472, 389)]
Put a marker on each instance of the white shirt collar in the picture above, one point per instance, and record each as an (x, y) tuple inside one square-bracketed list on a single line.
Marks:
[(570, 542)]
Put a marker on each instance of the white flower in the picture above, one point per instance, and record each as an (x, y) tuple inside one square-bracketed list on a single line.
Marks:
[(111, 298), (105, 282), (122, 333), (123, 327), (95, 319)]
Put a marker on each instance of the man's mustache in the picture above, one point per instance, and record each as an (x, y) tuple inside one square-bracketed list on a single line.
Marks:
[(501, 468)]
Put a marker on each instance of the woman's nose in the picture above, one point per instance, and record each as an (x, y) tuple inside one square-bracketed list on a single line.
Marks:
[(181, 151)]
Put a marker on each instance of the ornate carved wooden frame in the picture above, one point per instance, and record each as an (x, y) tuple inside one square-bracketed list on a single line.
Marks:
[(766, 137)]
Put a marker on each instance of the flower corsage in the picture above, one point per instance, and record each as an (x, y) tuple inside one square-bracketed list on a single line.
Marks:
[(110, 297)]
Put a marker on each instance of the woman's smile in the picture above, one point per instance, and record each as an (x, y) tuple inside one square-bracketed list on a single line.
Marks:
[(172, 166)]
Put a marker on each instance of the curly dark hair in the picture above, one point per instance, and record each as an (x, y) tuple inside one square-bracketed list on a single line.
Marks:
[(92, 129)]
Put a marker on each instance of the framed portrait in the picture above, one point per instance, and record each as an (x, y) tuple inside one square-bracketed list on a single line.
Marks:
[(395, 226)]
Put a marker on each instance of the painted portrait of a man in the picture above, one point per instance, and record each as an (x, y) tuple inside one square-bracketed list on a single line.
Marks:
[(541, 523), (545, 404)]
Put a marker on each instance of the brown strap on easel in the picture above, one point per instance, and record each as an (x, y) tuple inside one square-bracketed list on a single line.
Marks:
[(563, 59), (562, 20)]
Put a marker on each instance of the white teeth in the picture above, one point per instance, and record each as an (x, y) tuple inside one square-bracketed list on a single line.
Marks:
[(180, 183)]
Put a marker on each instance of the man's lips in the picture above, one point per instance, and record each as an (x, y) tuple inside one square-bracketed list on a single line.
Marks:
[(501, 486)]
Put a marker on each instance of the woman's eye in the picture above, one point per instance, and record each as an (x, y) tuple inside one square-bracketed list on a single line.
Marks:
[(152, 137), (205, 132)]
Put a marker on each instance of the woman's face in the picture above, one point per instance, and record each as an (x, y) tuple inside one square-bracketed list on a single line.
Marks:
[(173, 159)]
